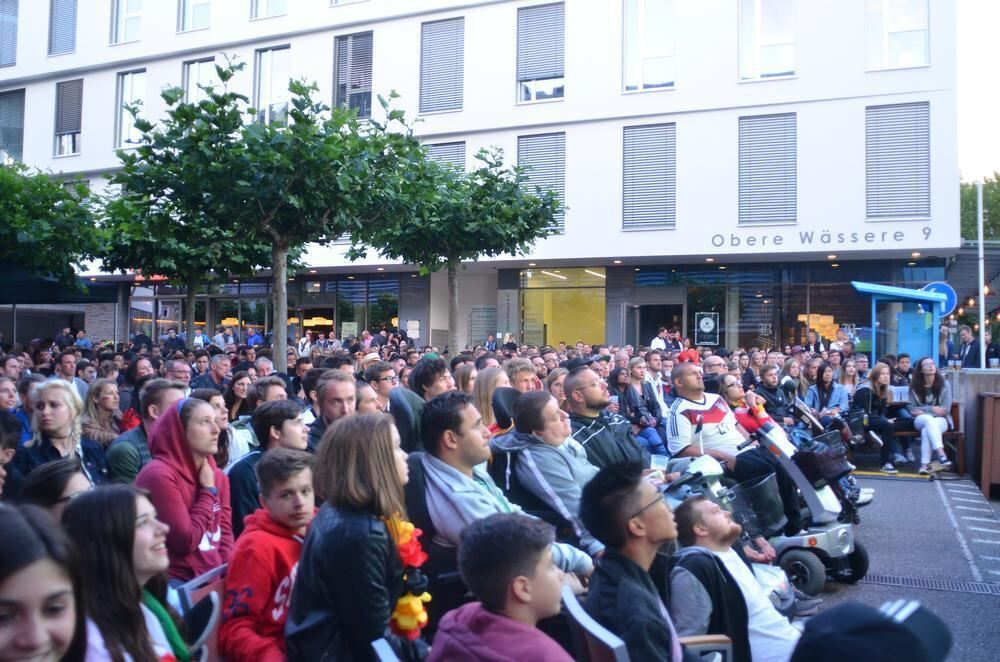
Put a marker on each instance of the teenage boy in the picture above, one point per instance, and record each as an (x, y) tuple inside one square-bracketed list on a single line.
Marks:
[(263, 564), (506, 561), (277, 424)]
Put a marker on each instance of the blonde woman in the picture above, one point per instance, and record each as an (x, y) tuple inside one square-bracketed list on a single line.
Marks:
[(56, 433), (849, 377), (465, 378), (793, 369), (101, 418), (871, 398), (487, 381)]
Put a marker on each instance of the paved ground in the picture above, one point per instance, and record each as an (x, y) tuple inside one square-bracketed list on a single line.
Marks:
[(937, 542)]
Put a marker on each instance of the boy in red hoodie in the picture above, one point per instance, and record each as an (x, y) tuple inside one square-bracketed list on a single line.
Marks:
[(506, 561), (262, 570)]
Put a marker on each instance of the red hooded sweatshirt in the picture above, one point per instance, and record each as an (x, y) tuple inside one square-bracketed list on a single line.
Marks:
[(201, 529), (474, 633), (259, 590)]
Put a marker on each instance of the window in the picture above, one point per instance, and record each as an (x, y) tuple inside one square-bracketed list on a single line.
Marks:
[(267, 8), (11, 126), (194, 14), (69, 114), (131, 91), (198, 74), (896, 33), (649, 44), (8, 32), (767, 39), (271, 85), (898, 161), (352, 69), (649, 177), (545, 157), (62, 26), (767, 169), (126, 21), (540, 46), (442, 65), (448, 154)]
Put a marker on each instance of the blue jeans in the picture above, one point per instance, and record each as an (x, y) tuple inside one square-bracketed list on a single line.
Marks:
[(652, 441)]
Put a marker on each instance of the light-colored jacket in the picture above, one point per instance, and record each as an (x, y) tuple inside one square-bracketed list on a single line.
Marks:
[(943, 401), (838, 398), (454, 501)]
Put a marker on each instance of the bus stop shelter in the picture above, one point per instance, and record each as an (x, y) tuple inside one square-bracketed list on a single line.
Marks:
[(903, 320)]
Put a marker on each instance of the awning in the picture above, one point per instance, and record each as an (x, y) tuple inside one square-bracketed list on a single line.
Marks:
[(19, 287)]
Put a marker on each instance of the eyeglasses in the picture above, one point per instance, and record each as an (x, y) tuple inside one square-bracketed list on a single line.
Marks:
[(659, 499), (392, 379)]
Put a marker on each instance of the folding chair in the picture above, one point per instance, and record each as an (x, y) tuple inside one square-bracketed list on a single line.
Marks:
[(593, 641)]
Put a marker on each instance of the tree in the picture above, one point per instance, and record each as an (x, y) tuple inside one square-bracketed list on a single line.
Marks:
[(173, 215), (46, 226), (316, 178), (456, 217), (991, 209)]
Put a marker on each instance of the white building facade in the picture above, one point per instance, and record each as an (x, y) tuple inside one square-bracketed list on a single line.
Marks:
[(735, 160)]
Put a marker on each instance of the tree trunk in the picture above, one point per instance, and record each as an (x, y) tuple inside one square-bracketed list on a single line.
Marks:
[(279, 299), (191, 297), (452, 308)]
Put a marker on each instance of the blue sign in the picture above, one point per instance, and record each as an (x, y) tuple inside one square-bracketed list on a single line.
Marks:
[(948, 291)]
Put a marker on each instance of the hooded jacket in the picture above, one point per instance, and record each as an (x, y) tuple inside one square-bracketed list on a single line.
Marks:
[(259, 590), (472, 632), (201, 532), (553, 475), (608, 439)]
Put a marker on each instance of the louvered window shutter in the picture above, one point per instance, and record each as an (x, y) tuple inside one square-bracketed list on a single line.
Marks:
[(540, 42), (62, 26), (442, 65), (767, 169), (448, 154), (12, 124), (69, 106), (8, 32), (649, 181), (546, 156), (354, 72), (898, 160)]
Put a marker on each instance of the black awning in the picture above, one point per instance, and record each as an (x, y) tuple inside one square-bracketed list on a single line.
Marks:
[(18, 286)]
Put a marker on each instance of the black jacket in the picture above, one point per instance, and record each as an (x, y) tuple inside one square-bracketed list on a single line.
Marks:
[(635, 408), (776, 401), (244, 491), (729, 608), (970, 354), (623, 598), (92, 460), (866, 401), (348, 582), (316, 431), (608, 439)]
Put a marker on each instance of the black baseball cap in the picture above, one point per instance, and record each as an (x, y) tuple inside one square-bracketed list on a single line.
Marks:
[(900, 631)]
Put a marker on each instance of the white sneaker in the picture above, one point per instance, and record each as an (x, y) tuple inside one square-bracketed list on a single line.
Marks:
[(924, 470), (864, 499), (887, 468), (944, 461)]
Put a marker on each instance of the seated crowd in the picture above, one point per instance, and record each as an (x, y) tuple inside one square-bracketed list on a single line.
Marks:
[(343, 485)]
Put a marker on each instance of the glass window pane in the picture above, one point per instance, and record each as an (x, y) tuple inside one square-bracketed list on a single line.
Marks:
[(552, 315), (908, 49), (383, 304), (776, 22), (351, 307), (778, 60), (748, 39), (633, 50), (906, 15)]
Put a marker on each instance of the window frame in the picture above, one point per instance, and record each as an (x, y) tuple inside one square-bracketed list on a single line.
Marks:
[(257, 87), (638, 176), (559, 228), (533, 84), (257, 15), (119, 19), (51, 26), (426, 43), (641, 18), (24, 95), (336, 72), (884, 64), (185, 14), (77, 142), (122, 117), (749, 172), (186, 77), (758, 76), (14, 31)]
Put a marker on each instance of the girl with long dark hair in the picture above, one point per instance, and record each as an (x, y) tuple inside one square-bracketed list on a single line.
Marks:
[(350, 573), (53, 485), (237, 396), (826, 398), (930, 404), (122, 549), (40, 589)]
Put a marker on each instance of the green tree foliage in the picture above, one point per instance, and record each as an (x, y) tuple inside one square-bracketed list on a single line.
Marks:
[(991, 209), (46, 225), (455, 217), (173, 214), (322, 175)]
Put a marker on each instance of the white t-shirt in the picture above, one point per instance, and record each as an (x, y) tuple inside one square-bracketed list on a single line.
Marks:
[(97, 651), (772, 637), (718, 426), (657, 343)]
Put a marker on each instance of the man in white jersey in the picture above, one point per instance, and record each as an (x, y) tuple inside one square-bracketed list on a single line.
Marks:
[(720, 437)]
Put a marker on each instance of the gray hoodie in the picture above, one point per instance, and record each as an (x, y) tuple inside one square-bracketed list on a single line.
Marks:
[(454, 501), (554, 475)]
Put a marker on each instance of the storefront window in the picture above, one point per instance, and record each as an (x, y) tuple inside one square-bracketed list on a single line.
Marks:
[(351, 306), (383, 304), (254, 315), (562, 305), (226, 312), (168, 316)]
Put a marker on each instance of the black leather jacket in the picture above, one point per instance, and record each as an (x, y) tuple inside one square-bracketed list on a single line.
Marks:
[(776, 401), (348, 581)]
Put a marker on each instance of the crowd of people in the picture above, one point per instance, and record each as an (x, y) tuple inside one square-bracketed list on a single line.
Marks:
[(342, 483)]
